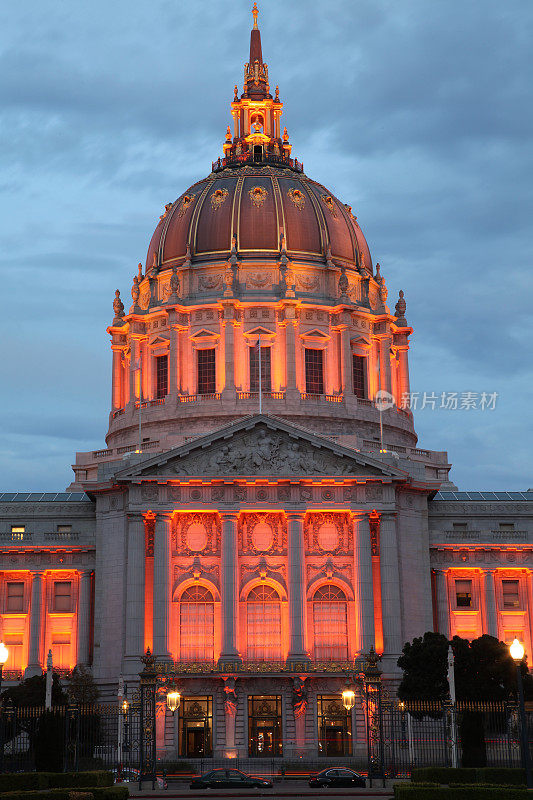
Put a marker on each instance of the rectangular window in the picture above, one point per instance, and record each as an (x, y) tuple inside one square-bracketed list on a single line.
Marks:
[(17, 532), (161, 367), (62, 594), (507, 526), (15, 597), (314, 371), (459, 526), (511, 594), (463, 594), (265, 369), (61, 651), (14, 649), (206, 371), (64, 528), (359, 370)]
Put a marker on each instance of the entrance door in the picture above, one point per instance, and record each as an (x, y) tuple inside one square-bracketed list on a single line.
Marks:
[(334, 736), (264, 726), (196, 741), (258, 153)]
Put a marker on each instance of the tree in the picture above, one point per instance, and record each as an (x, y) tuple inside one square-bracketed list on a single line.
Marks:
[(81, 688), (32, 692), (484, 669), (424, 666), (484, 672)]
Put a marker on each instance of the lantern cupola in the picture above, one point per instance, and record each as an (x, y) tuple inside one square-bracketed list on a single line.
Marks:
[(257, 135)]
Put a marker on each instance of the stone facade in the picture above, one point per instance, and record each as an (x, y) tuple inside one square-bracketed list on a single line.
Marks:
[(258, 542)]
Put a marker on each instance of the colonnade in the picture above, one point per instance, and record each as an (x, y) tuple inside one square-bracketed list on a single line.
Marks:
[(376, 591), (230, 342)]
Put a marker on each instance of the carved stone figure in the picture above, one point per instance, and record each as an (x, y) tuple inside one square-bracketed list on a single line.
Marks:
[(118, 308)]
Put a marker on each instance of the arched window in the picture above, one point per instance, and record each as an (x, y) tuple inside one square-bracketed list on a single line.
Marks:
[(263, 624), (196, 624), (330, 624)]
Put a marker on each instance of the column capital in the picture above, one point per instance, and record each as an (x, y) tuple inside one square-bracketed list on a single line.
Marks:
[(295, 514), (86, 573), (229, 514)]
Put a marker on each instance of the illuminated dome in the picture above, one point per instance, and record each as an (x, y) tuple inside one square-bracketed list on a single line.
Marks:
[(257, 252), (258, 204)]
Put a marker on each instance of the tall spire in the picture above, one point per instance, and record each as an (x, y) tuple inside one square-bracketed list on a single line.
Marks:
[(256, 116), (255, 71)]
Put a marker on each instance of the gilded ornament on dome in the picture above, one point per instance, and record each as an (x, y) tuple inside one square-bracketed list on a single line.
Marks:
[(218, 197), (257, 195), (328, 201), (187, 200), (144, 300), (297, 198)]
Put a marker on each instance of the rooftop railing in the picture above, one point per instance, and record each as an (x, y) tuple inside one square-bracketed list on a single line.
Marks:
[(238, 160)]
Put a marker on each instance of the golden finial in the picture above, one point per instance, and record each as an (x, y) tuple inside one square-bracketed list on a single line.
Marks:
[(255, 12)]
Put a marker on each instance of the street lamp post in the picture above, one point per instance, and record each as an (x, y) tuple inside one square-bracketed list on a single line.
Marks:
[(517, 653), (4, 655), (173, 700)]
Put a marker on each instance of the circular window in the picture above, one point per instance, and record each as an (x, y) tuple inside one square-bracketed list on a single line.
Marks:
[(196, 537), (262, 536), (328, 537)]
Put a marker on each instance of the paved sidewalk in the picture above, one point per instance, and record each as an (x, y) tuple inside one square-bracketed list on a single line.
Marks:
[(280, 790)]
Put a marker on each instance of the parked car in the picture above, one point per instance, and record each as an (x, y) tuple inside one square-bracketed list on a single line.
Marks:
[(337, 776), (229, 779)]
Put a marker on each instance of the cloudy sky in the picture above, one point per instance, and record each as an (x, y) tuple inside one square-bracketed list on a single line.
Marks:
[(418, 113)]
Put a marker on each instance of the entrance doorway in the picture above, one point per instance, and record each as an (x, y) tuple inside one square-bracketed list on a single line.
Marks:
[(334, 727), (264, 726), (196, 727), (258, 152)]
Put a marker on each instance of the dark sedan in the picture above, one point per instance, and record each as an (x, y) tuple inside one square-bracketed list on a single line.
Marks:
[(336, 777), (229, 779)]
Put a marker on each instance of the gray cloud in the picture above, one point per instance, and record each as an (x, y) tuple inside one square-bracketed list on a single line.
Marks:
[(418, 114)]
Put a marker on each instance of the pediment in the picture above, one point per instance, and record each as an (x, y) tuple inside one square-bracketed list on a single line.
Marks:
[(259, 331), (261, 445), (314, 334), (203, 334), (157, 341)]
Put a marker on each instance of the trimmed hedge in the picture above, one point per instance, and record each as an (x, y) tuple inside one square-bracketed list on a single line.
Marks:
[(410, 791), (33, 781), (503, 776), (96, 792)]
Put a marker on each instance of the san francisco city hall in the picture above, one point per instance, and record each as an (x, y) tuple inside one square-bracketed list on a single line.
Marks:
[(258, 553)]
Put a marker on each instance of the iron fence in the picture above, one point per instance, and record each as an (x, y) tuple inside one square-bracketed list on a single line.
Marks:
[(395, 739)]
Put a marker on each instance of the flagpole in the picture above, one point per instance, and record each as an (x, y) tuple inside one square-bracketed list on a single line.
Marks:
[(380, 402), (260, 381), (140, 394)]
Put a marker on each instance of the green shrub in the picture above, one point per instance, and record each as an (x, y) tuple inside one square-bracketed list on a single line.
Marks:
[(98, 793), (28, 781), (411, 791), (503, 776)]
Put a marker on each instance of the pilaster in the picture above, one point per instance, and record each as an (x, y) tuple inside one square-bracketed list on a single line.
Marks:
[(296, 586), (35, 655)]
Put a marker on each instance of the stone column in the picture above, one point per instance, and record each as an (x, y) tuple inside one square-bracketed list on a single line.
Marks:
[(489, 603), (443, 612), (135, 586), (134, 358), (162, 586), (173, 362), (84, 617), (229, 584), (229, 370), (403, 363), (290, 356), (364, 605), (116, 394), (384, 354), (347, 363), (296, 586), (390, 587), (36, 616)]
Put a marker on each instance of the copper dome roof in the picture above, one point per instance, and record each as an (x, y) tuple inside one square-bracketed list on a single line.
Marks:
[(258, 205)]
